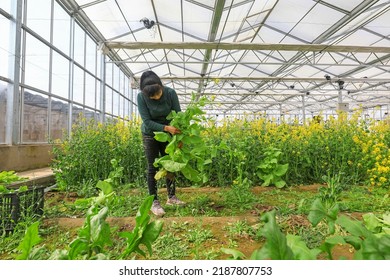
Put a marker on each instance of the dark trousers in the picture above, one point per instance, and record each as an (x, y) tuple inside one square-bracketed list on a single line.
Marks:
[(154, 149)]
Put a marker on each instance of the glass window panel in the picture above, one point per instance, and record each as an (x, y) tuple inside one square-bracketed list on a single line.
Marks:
[(59, 119), (90, 55), (116, 77), (126, 86), (109, 73), (98, 63), (38, 17), (89, 115), (61, 29), (37, 63), (126, 108), (60, 76), (98, 95), (6, 5), (79, 44), (90, 85), (121, 82), (3, 110), (35, 108), (115, 103), (121, 106), (78, 85), (77, 113), (108, 100), (4, 47)]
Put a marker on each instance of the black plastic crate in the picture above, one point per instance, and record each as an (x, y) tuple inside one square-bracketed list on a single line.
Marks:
[(14, 207)]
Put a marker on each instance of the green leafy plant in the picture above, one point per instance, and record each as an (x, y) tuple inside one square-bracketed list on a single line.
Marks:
[(326, 207), (95, 234), (278, 246), (5, 190), (319, 211), (30, 239), (240, 194), (330, 193), (85, 156), (8, 177), (270, 170), (377, 224), (368, 245), (187, 152), (145, 232)]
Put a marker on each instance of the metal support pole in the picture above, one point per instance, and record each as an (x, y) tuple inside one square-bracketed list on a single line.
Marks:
[(71, 73), (303, 110), (102, 87), (281, 116), (340, 98), (14, 99)]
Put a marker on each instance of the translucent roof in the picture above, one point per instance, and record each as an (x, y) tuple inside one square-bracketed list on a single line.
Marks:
[(252, 55)]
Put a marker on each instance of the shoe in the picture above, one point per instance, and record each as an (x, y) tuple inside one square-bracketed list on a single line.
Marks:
[(175, 201), (157, 209)]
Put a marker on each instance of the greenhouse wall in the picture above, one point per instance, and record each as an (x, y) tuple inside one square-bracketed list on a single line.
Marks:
[(51, 74)]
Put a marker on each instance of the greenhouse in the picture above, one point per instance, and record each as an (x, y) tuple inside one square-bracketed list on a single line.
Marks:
[(268, 120)]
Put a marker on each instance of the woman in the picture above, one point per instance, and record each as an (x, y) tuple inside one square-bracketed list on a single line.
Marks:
[(155, 102)]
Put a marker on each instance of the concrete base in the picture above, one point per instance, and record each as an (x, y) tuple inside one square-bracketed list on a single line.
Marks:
[(25, 157)]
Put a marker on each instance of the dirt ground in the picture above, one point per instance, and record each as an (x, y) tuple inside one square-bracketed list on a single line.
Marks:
[(216, 225)]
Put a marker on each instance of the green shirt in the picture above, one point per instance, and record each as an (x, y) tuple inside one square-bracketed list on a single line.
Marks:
[(154, 112)]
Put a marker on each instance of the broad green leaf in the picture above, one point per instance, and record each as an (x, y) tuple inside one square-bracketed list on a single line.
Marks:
[(376, 248), (318, 212), (162, 136), (23, 189), (372, 223), (193, 139), (280, 183), (160, 174), (191, 174), (263, 166), (172, 146), (3, 189), (172, 166), (354, 227), (142, 216), (150, 234), (78, 247), (100, 230), (267, 179), (30, 239), (236, 255), (281, 169), (143, 232), (171, 115), (300, 249), (355, 241), (158, 161), (275, 247), (105, 187)]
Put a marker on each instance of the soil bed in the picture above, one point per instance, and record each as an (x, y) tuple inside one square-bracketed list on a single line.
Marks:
[(208, 222)]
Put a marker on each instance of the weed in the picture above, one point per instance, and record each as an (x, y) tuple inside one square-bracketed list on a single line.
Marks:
[(170, 247), (240, 229)]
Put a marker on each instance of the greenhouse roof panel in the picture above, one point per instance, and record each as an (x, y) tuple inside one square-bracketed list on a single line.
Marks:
[(275, 48)]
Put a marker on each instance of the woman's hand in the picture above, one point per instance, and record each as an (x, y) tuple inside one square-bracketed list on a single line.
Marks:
[(172, 130)]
